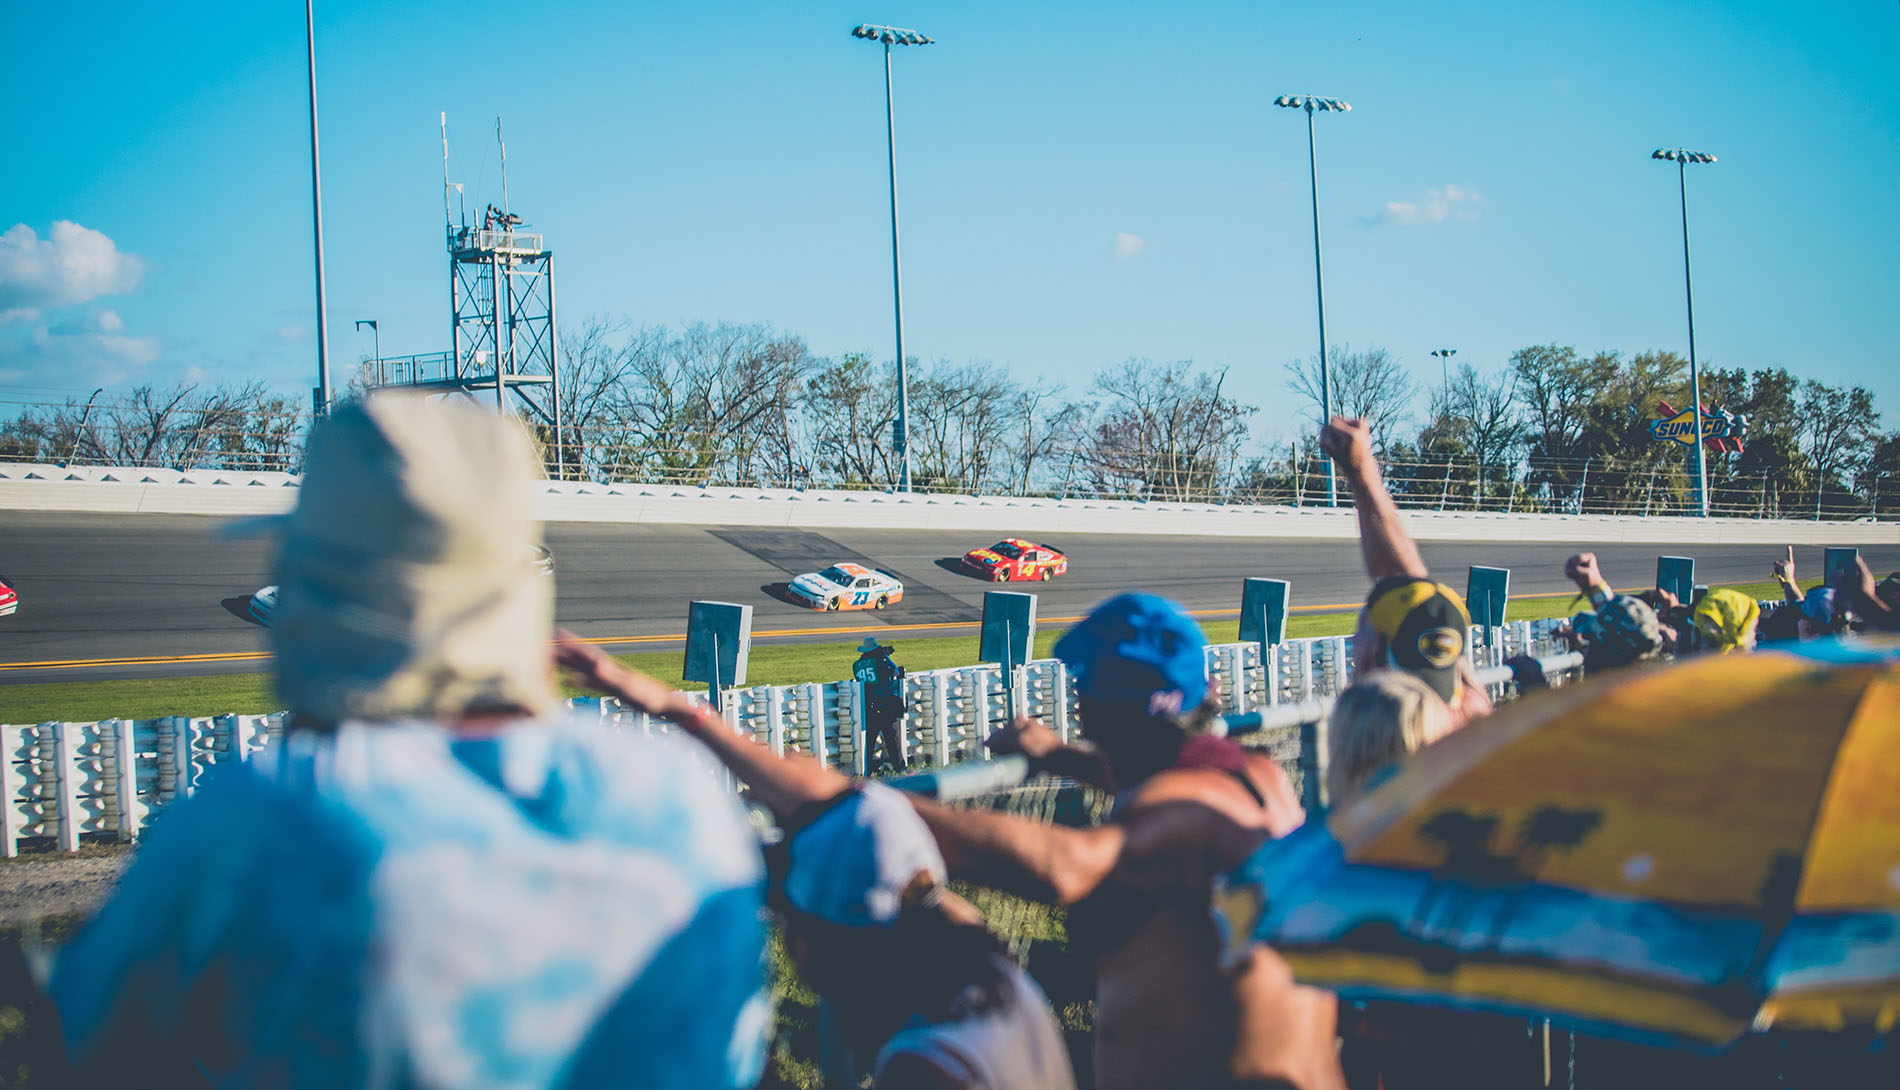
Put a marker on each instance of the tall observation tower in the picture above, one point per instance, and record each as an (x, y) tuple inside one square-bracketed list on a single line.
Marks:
[(502, 334), (502, 341), (501, 329)]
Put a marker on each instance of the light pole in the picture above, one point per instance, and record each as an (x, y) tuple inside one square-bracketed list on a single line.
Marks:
[(891, 36), (377, 339), (316, 206), (1444, 365), (1682, 158), (1312, 104), (80, 432)]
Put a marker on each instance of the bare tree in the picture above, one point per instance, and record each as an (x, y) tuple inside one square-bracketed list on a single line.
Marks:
[(1838, 431), (1049, 426), (1163, 431), (1371, 385), (1482, 414), (853, 406)]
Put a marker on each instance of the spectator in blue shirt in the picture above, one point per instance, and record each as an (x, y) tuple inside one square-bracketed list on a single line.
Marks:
[(435, 880)]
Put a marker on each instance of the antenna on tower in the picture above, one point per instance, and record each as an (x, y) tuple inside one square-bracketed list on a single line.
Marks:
[(504, 165), (446, 220)]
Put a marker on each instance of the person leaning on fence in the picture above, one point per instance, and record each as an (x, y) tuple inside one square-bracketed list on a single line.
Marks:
[(916, 978), (1188, 805), (436, 878), (1409, 623), (883, 682), (1619, 629)]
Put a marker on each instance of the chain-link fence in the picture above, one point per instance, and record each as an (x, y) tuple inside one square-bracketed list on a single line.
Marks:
[(256, 433)]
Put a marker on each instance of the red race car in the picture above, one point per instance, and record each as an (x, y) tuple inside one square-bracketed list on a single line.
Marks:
[(1013, 558), (9, 599)]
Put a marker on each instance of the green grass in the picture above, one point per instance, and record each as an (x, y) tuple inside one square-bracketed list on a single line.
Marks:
[(770, 664)]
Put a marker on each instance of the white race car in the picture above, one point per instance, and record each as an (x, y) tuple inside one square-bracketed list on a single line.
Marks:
[(846, 586), (264, 605)]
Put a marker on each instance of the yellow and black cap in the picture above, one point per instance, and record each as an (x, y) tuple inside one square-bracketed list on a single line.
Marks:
[(1425, 627)]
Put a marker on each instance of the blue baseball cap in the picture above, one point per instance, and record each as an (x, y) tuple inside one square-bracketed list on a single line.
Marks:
[(1134, 646), (1818, 606)]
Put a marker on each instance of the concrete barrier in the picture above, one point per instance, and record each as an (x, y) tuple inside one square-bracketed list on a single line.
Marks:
[(107, 490)]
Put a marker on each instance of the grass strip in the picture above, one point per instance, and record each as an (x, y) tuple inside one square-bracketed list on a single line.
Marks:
[(770, 664)]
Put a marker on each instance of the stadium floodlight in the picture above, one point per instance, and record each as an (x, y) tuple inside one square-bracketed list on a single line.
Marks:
[(1315, 104), (1682, 157), (889, 36), (1444, 364)]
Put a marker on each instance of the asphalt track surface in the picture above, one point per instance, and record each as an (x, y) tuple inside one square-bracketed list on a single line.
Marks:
[(160, 595)]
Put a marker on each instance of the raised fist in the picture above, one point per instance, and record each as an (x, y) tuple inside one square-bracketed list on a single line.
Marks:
[(1347, 441)]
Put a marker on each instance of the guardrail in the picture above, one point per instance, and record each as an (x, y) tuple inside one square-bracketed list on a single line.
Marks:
[(63, 783), (32, 486)]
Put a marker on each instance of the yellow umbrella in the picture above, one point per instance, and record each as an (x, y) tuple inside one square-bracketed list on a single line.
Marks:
[(1670, 853)]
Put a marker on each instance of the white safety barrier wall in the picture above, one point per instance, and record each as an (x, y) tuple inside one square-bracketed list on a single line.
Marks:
[(106, 780)]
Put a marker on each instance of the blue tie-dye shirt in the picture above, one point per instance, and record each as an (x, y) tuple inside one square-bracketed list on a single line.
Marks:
[(392, 906)]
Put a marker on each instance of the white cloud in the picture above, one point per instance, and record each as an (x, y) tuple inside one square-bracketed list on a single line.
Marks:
[(1127, 246), (73, 265), (1435, 206), (91, 346)]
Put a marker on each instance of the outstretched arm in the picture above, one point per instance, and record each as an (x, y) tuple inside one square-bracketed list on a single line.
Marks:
[(1047, 863), (1864, 594), (1387, 548), (1049, 755), (1784, 574), (782, 783)]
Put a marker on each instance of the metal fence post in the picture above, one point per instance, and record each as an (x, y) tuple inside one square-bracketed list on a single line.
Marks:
[(853, 694), (1236, 656), (65, 786), (125, 779), (775, 720), (1313, 767), (11, 741), (1270, 668), (1059, 681), (940, 716), (815, 709)]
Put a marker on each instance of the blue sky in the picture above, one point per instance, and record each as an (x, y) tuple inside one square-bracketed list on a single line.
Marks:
[(1079, 183)]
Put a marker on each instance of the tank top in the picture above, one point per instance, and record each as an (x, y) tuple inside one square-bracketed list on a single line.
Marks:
[(1014, 1046)]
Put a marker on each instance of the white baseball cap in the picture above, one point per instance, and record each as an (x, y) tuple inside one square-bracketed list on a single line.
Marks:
[(852, 864)]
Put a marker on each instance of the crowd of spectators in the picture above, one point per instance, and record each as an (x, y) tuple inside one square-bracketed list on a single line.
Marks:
[(438, 880)]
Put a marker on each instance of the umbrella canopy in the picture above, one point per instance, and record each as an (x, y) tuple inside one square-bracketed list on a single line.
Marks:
[(1670, 853)]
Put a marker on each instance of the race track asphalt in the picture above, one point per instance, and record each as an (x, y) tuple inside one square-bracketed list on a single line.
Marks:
[(161, 595)]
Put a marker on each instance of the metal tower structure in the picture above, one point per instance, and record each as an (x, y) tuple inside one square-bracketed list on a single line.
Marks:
[(501, 327), (502, 331), (502, 335)]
